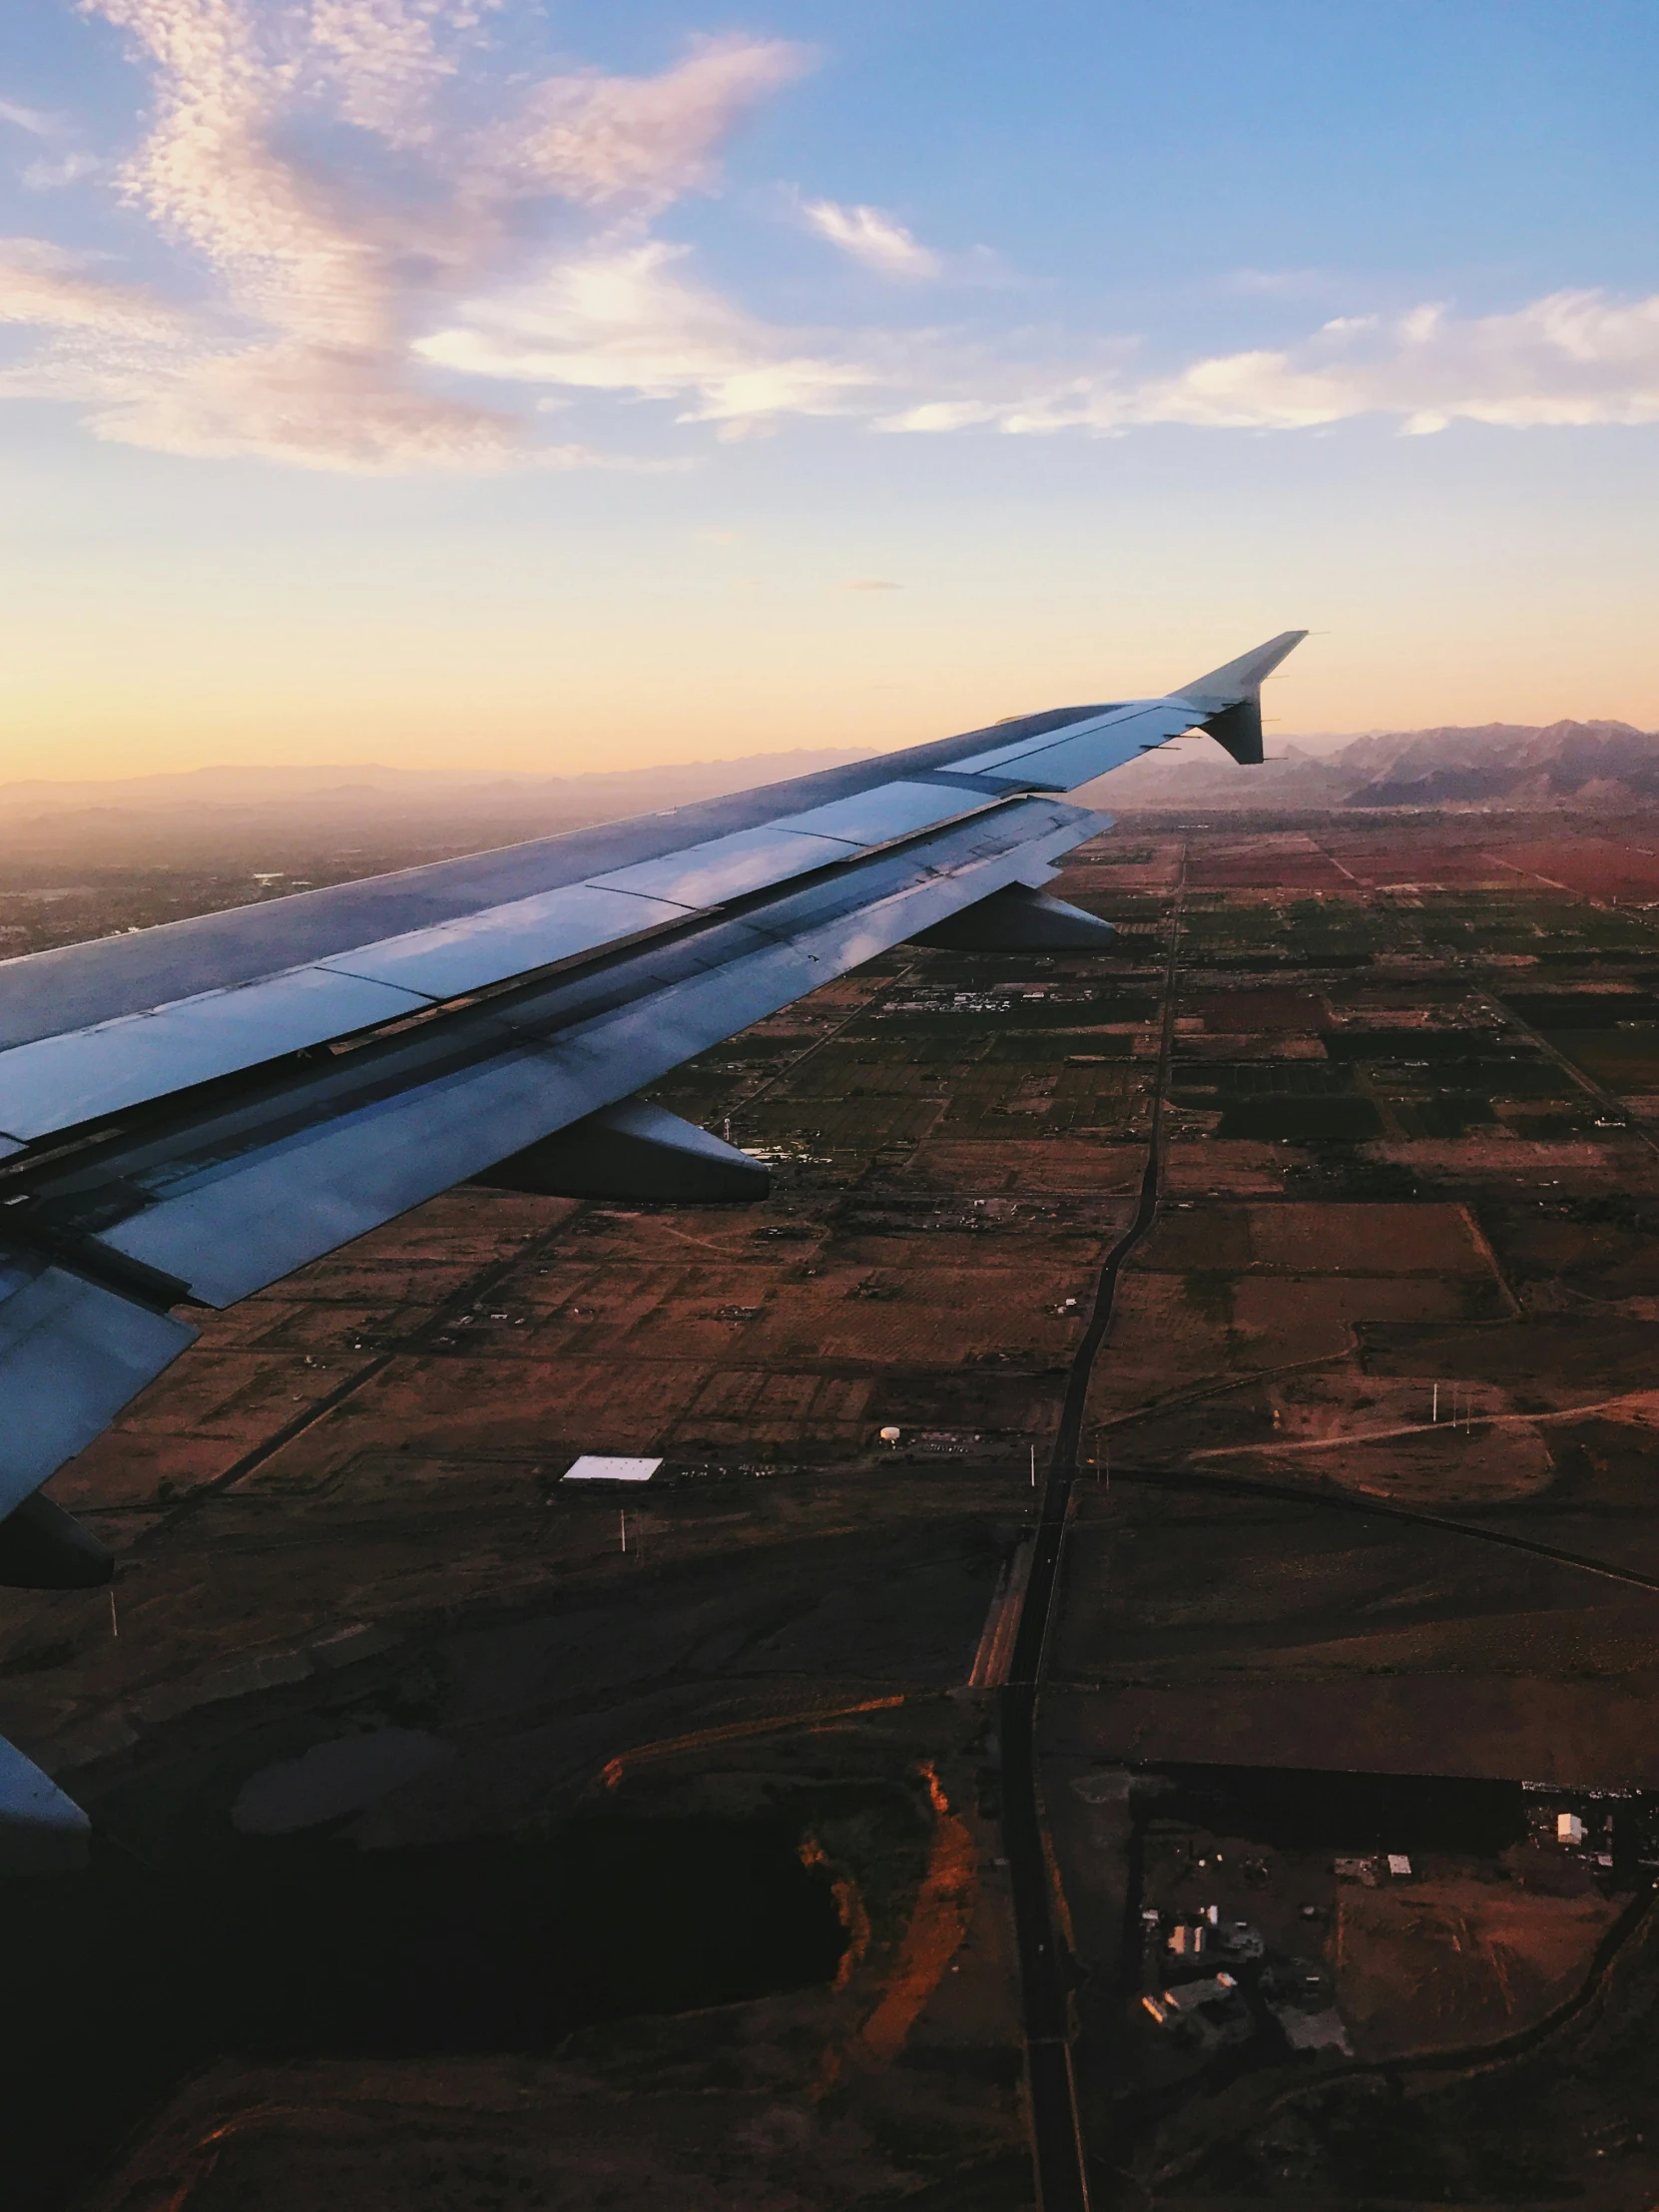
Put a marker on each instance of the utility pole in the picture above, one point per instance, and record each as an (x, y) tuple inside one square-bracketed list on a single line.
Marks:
[(1033, 1466), (1436, 1414), (624, 1517)]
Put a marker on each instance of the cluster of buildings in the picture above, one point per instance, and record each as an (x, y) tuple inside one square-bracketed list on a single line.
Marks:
[(1373, 1873), (1222, 1988), (1612, 1834)]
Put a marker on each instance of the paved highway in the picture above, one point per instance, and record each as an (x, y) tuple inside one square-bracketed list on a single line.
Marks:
[(1062, 2184), (1056, 2141)]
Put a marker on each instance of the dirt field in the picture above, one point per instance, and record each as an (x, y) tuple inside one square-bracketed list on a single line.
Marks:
[(1406, 1256), (1447, 1963)]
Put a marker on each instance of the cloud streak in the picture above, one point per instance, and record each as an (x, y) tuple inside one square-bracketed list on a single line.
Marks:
[(337, 205), (626, 319), (36, 121), (389, 254), (868, 236), (1573, 359), (70, 164), (46, 284)]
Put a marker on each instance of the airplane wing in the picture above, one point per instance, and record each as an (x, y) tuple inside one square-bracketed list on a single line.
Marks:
[(189, 1113)]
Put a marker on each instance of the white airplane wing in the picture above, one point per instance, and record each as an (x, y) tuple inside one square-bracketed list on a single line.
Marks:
[(190, 1113)]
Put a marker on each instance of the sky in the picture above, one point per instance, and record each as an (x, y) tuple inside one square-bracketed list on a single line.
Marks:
[(547, 387)]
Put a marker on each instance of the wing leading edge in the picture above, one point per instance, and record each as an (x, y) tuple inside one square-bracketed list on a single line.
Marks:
[(189, 1113)]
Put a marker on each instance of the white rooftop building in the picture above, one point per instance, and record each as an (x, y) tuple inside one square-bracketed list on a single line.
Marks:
[(592, 1467)]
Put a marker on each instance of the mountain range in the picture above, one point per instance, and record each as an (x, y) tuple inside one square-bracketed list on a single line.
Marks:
[(373, 816), (1497, 763)]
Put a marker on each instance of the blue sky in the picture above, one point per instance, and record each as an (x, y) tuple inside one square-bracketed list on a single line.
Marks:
[(559, 386)]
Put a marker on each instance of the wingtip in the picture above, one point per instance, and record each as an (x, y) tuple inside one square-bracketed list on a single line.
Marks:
[(1241, 679)]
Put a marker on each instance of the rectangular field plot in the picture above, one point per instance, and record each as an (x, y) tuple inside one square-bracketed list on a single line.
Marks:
[(1250, 1012), (1625, 1060), (1424, 1047), (1603, 868), (1200, 1082), (1072, 1046), (743, 1409), (995, 1011), (857, 1126), (1320, 1240), (1270, 1310), (1584, 1009), (1302, 1120), (1174, 1334), (513, 1406), (1517, 1079), (1019, 1165), (842, 1071), (876, 1312)]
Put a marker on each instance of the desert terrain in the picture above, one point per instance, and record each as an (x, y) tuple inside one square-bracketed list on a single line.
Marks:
[(467, 1837)]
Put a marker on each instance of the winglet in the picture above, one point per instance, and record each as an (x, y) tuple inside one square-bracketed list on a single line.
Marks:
[(1229, 699)]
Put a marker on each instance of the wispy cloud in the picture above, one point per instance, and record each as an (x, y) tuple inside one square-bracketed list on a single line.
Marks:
[(390, 254), (47, 284), (876, 240), (1571, 359), (331, 263), (69, 164), (625, 319), (643, 141), (73, 167), (38, 122)]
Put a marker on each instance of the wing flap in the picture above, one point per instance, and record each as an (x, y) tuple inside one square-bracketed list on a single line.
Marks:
[(1025, 749), (72, 1355), (891, 811), (61, 1081), (477, 950), (728, 868), (1063, 758), (1079, 758)]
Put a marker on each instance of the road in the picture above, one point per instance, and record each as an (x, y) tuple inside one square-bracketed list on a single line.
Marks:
[(1379, 1508), (1056, 2141)]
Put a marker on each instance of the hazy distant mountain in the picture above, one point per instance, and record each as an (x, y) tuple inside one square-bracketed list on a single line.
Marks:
[(1501, 763), (281, 817), (257, 787), (322, 824)]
